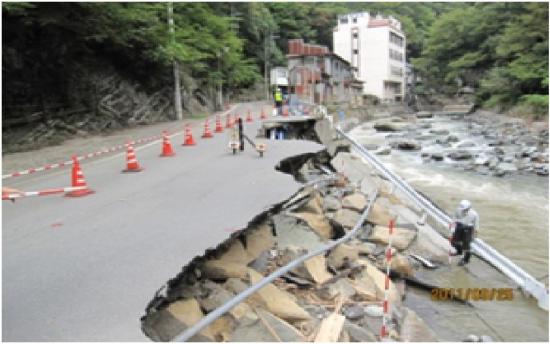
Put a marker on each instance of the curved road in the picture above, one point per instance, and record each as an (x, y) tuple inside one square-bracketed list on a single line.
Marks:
[(84, 269)]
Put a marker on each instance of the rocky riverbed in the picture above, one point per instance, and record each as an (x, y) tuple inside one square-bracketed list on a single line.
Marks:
[(480, 142)]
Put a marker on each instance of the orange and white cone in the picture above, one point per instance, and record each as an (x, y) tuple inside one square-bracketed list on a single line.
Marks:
[(189, 141), (229, 122), (77, 180), (263, 116), (132, 164), (285, 111), (166, 146), (249, 117), (207, 133), (219, 126)]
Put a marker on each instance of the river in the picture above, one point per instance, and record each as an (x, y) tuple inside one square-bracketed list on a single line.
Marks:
[(514, 219)]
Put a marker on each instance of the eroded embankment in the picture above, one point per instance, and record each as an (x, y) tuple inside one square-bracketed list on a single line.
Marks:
[(343, 288)]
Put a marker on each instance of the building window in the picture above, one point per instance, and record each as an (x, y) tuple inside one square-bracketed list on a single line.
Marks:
[(396, 71), (344, 20), (355, 51), (354, 20), (396, 39), (396, 55), (355, 35)]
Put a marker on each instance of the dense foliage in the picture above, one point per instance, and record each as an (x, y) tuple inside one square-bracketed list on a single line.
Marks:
[(499, 49)]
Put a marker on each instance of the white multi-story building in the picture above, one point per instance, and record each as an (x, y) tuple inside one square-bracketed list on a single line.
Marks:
[(375, 46)]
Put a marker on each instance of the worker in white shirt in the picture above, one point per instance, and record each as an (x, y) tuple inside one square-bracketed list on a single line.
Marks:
[(465, 226)]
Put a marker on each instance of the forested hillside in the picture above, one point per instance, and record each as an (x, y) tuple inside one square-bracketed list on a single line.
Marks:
[(107, 65)]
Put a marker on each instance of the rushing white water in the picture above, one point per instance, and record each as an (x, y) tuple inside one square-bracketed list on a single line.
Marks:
[(514, 214)]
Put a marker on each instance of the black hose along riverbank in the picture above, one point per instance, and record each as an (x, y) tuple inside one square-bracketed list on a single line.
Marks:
[(347, 281)]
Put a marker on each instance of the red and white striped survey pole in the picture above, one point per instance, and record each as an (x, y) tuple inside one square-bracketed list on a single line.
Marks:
[(13, 196), (386, 317)]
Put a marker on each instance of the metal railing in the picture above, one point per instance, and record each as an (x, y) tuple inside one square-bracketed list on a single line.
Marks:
[(525, 281), (218, 312)]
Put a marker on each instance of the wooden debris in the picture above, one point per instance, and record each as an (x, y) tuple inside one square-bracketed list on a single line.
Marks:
[(330, 328)]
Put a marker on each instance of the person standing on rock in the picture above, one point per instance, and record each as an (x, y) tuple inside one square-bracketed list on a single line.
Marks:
[(465, 229)]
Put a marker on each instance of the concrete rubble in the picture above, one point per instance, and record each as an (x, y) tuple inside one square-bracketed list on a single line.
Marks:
[(336, 296)]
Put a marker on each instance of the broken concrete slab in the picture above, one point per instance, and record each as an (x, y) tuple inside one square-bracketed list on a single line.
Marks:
[(188, 312), (235, 285), (341, 255), (401, 265), (351, 166), (237, 253), (218, 269), (401, 238), (346, 218), (379, 215), (372, 273), (312, 214), (317, 268), (277, 301), (290, 232), (356, 201), (331, 203), (259, 240), (317, 222), (414, 329), (354, 311), (217, 296), (365, 289), (222, 328), (429, 243), (284, 331), (163, 326), (341, 287), (358, 333)]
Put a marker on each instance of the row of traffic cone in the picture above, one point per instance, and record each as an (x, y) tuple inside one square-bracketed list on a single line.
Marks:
[(132, 165)]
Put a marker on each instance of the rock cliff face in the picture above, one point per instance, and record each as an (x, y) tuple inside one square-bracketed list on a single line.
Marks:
[(96, 102)]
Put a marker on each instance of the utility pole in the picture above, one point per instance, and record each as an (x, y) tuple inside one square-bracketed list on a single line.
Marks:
[(175, 65), (271, 36), (265, 68)]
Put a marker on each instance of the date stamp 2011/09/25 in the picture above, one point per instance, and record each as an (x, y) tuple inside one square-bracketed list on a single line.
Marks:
[(474, 294)]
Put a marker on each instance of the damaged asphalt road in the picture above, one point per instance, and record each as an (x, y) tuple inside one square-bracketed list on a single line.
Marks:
[(90, 277)]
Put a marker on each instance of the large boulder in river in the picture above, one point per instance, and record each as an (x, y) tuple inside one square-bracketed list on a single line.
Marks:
[(406, 145), (439, 131), (385, 126), (424, 114), (460, 155)]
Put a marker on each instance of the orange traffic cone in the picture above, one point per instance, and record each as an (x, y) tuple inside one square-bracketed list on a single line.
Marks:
[(229, 122), (285, 111), (77, 179), (249, 117), (207, 133), (132, 164), (219, 126), (189, 141), (166, 145), (263, 116)]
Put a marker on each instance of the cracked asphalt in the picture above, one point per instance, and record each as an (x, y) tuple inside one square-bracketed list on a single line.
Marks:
[(84, 269)]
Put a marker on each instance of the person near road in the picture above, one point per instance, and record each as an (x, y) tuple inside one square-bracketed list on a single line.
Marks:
[(241, 138), (466, 225), (278, 100)]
